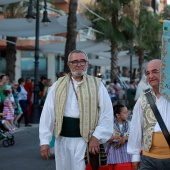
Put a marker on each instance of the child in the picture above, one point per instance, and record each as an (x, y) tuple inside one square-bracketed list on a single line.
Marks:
[(117, 156), (17, 109), (4, 124), (8, 108)]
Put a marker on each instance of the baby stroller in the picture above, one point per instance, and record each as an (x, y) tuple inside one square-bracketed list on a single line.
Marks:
[(8, 139)]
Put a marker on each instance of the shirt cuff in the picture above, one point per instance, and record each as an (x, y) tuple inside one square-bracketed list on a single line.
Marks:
[(135, 158), (44, 142), (97, 135)]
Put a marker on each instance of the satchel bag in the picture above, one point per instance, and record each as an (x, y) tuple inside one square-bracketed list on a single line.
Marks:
[(102, 158), (157, 115)]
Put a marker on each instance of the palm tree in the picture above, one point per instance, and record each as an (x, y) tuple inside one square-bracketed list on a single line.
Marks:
[(147, 38), (116, 27), (71, 32), (12, 11)]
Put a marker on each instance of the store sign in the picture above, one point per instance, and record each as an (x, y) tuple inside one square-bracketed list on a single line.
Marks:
[(164, 87)]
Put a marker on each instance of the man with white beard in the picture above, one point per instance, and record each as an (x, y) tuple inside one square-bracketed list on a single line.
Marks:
[(78, 110)]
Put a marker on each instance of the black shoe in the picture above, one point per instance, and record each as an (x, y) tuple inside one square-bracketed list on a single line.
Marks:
[(28, 125)]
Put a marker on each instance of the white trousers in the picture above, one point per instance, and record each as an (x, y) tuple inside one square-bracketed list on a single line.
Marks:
[(69, 153)]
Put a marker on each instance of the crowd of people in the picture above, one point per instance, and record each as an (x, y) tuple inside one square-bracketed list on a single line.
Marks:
[(16, 101), (119, 91), (81, 112)]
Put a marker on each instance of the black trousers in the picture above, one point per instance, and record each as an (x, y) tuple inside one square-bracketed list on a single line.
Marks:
[(24, 107), (149, 163)]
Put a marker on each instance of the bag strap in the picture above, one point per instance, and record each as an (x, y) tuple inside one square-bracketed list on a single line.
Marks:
[(157, 115)]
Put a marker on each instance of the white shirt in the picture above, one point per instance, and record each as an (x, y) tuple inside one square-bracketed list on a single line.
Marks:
[(104, 129), (22, 94), (135, 137)]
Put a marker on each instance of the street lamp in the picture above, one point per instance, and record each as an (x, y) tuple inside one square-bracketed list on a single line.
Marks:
[(30, 16)]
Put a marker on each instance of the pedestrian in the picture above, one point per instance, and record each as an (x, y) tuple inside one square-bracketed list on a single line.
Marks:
[(22, 97), (2, 88), (17, 109), (29, 88), (117, 156), (145, 133), (5, 124), (142, 86), (47, 86), (8, 107), (79, 111), (41, 87)]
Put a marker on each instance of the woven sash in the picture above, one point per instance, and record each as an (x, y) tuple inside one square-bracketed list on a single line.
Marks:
[(149, 122)]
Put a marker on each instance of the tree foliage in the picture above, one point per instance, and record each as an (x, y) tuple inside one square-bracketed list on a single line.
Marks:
[(114, 25), (147, 38)]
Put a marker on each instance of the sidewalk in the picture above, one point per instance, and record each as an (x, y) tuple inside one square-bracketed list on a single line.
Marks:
[(23, 128)]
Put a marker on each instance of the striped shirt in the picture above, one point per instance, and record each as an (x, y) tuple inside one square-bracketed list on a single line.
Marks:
[(118, 155)]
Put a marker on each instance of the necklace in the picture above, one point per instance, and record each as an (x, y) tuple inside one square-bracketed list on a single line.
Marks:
[(74, 87)]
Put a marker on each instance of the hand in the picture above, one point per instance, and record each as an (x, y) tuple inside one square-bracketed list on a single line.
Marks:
[(14, 104), (45, 151), (94, 145), (136, 165), (121, 141), (117, 137)]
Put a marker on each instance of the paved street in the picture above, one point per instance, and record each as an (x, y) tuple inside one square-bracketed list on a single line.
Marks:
[(24, 155)]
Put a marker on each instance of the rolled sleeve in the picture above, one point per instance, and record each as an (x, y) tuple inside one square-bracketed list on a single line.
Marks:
[(135, 158), (134, 146), (104, 129)]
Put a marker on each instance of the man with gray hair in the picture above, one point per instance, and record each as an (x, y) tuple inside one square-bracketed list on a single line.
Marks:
[(145, 132), (79, 112)]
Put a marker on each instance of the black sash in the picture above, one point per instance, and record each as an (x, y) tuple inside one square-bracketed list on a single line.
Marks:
[(70, 127)]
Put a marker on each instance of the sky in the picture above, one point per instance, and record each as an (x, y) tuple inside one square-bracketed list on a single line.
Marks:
[(168, 1)]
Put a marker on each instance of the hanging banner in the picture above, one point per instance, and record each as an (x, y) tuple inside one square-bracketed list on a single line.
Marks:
[(164, 87)]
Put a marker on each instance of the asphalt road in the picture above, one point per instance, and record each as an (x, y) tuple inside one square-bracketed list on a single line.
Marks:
[(24, 154)]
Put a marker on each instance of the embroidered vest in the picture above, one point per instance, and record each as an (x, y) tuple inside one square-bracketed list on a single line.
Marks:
[(87, 92), (149, 122)]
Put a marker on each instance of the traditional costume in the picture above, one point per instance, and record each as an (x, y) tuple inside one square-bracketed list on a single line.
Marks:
[(117, 157), (74, 121), (145, 132)]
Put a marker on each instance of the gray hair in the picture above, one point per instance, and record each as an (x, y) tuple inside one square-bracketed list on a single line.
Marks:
[(78, 51)]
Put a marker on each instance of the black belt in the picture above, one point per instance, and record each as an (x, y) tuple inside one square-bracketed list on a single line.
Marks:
[(70, 127)]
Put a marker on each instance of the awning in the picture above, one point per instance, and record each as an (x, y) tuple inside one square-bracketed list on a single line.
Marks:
[(123, 59), (86, 46), (4, 2), (19, 27)]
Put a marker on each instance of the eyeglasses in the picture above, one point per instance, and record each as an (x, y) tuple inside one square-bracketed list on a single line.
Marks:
[(76, 62), (154, 72)]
